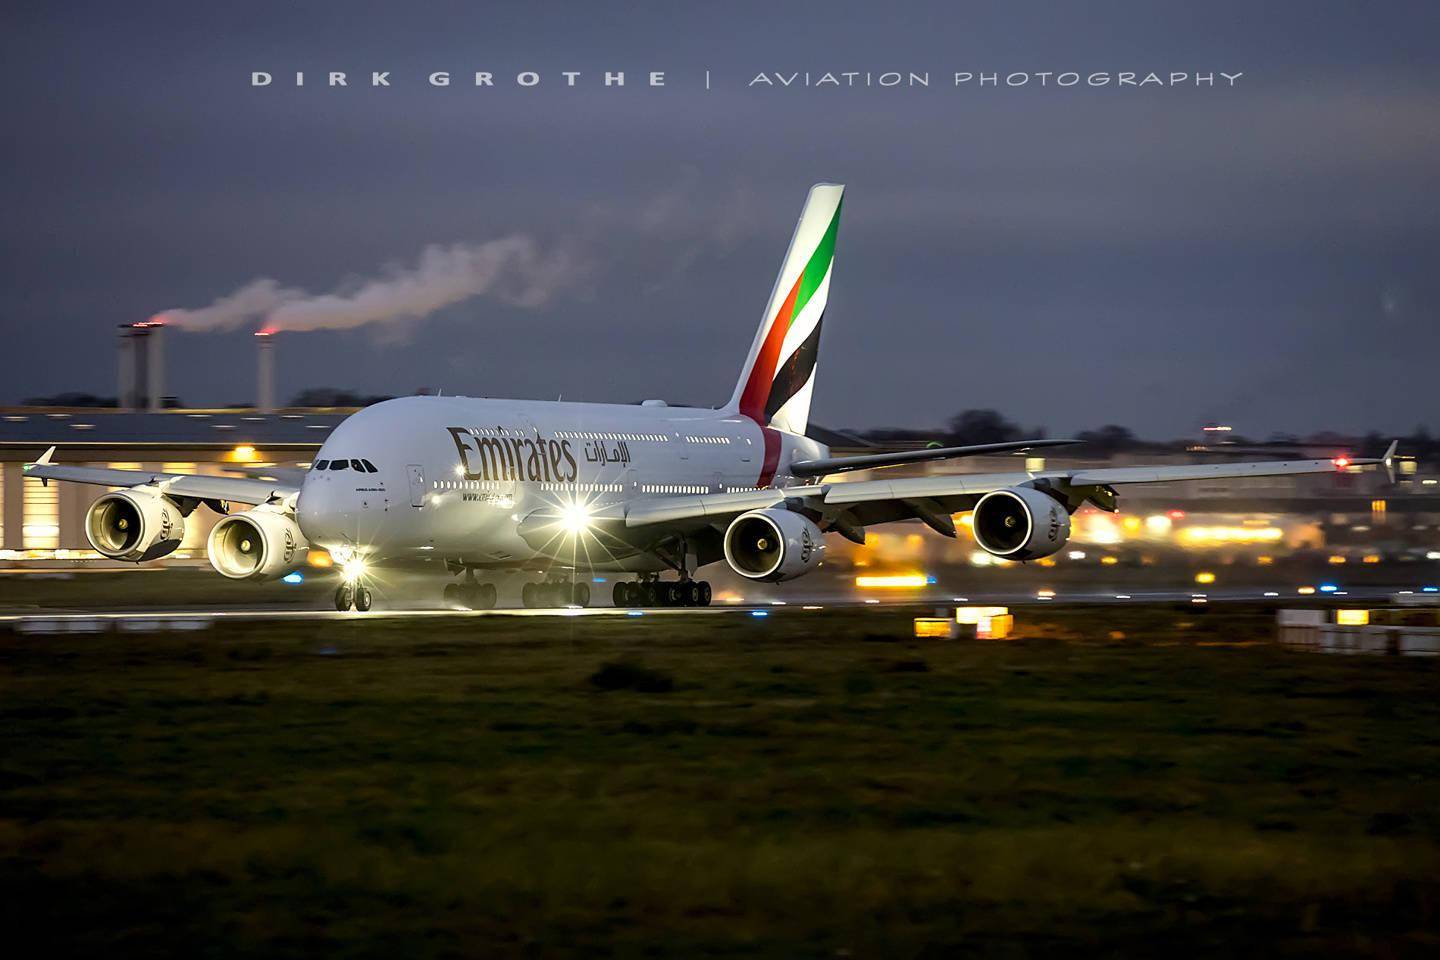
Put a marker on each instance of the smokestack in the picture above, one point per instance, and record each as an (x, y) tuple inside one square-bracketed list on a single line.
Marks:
[(265, 386), (155, 365), (125, 389)]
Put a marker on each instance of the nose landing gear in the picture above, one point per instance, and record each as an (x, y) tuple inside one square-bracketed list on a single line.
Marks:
[(353, 594)]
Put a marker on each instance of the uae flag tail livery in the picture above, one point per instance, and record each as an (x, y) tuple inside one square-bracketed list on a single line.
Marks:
[(779, 374)]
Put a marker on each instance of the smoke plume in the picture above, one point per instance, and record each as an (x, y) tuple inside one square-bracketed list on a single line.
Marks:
[(512, 269)]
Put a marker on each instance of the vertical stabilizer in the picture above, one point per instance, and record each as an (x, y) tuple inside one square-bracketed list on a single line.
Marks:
[(779, 374)]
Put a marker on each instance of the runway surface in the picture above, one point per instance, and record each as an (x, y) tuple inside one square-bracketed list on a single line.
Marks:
[(61, 620)]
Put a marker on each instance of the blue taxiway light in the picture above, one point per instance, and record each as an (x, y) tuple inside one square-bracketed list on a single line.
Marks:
[(635, 613), (759, 613), (1328, 588), (1430, 589), (296, 577), (598, 580)]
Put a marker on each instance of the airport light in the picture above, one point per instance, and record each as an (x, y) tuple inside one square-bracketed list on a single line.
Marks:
[(1335, 560), (1370, 558), (1305, 591), (901, 581), (1352, 618), (1109, 561), (319, 558), (1205, 576), (245, 453), (1328, 588)]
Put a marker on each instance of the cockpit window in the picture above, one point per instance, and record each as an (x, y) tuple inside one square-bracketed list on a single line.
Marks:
[(358, 466), (320, 464), (369, 467), (339, 464)]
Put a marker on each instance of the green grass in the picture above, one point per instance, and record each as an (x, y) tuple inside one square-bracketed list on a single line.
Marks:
[(1124, 781)]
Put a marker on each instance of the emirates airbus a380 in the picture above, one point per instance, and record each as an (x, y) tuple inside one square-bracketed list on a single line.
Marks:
[(465, 486)]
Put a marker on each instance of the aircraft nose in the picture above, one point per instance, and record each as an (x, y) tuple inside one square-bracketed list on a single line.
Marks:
[(321, 511)]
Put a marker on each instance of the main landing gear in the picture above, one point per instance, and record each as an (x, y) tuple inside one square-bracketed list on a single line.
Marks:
[(555, 593), (355, 595), (471, 595), (658, 593)]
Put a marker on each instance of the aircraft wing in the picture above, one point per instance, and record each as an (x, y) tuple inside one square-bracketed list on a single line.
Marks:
[(234, 489), (934, 499)]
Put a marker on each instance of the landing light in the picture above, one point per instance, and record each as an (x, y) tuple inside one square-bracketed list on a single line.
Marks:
[(575, 518), (353, 569)]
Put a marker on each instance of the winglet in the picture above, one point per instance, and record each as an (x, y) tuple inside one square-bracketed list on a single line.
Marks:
[(43, 461), (1388, 459)]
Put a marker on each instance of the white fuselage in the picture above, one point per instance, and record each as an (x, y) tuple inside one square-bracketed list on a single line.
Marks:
[(456, 476)]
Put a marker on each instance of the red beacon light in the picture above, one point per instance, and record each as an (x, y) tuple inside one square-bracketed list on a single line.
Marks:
[(1341, 462)]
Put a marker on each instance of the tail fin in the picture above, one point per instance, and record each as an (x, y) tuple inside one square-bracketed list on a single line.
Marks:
[(779, 374)]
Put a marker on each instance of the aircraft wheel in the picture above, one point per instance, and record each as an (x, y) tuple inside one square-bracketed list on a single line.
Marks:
[(363, 599), (620, 595), (451, 595), (489, 596), (690, 593), (671, 595), (528, 595), (650, 594), (344, 597), (581, 595), (705, 593)]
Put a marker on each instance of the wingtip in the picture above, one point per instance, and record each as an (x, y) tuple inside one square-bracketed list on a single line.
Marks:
[(1389, 459), (46, 457)]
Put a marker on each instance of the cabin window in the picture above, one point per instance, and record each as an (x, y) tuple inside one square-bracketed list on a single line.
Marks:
[(339, 464), (320, 464)]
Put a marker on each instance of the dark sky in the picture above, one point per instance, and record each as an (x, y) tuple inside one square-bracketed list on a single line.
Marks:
[(1265, 254)]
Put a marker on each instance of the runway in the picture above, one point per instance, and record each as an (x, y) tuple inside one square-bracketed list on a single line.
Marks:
[(74, 620)]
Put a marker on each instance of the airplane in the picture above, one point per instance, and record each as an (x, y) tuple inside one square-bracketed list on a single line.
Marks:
[(468, 486)]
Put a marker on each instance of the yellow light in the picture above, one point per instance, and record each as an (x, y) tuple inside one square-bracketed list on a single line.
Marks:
[(908, 581), (1045, 594), (319, 558), (1370, 558), (1194, 535), (932, 627), (1336, 560), (242, 454), (1109, 561), (1132, 524), (1305, 591), (967, 520), (975, 614), (982, 559), (353, 569), (1046, 561), (1205, 576), (1264, 561), (1352, 618), (1158, 524)]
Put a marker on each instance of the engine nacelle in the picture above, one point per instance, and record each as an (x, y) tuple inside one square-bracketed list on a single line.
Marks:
[(1020, 523), (134, 525), (773, 545), (256, 545)]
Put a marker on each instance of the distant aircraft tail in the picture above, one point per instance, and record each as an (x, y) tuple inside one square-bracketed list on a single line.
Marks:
[(779, 374)]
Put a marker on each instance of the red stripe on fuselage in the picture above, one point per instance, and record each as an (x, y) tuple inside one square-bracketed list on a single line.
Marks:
[(772, 455), (757, 388)]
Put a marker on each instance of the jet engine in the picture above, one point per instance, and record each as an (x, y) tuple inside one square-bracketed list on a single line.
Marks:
[(256, 545), (134, 525), (1020, 523), (773, 545)]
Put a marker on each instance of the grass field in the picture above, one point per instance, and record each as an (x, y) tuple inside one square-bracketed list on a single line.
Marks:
[(1121, 781)]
